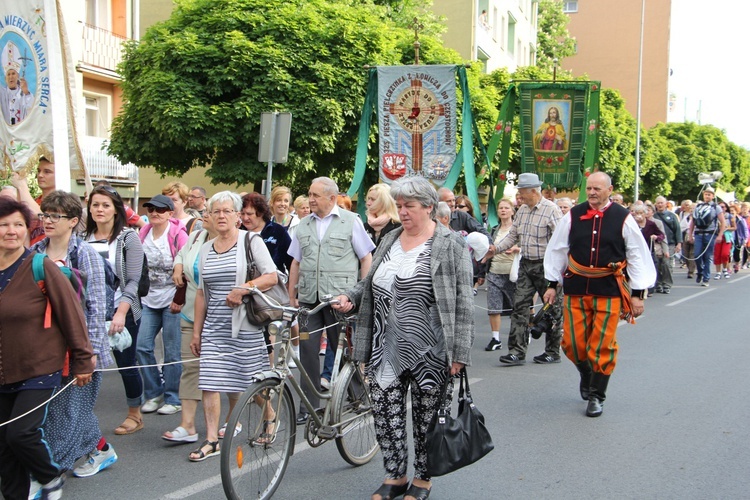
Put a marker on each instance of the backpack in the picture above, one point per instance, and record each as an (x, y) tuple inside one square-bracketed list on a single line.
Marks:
[(111, 283), (704, 215), (144, 283), (78, 281)]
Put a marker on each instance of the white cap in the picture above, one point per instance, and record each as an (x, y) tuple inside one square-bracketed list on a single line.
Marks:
[(479, 243)]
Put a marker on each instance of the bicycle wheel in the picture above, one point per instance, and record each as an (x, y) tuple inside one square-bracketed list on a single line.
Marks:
[(352, 409), (253, 462)]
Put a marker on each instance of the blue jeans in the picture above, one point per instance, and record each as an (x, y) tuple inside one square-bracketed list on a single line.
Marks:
[(166, 383), (704, 255), (328, 361), (131, 377)]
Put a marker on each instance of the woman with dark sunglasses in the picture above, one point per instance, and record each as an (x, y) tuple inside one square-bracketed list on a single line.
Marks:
[(107, 232), (162, 238)]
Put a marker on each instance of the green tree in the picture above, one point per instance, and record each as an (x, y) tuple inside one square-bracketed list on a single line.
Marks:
[(195, 86), (553, 39)]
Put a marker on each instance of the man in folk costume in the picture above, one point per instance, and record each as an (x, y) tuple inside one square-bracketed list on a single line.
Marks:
[(599, 254), (15, 98)]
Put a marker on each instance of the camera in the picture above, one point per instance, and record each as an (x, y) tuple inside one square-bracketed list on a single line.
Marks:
[(541, 322)]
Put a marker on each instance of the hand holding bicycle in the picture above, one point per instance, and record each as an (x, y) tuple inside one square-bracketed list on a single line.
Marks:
[(344, 304)]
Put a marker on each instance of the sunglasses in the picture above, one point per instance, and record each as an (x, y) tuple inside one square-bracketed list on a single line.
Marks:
[(158, 210), (107, 189)]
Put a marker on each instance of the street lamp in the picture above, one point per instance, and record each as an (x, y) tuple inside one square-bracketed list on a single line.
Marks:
[(638, 111)]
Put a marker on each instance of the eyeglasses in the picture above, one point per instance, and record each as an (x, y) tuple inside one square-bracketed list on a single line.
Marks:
[(461, 206), (158, 210), (225, 213), (53, 217)]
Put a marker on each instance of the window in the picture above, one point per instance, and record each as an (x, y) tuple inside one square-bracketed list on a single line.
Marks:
[(97, 115), (570, 6), (511, 34), (97, 13), (495, 27), (501, 35)]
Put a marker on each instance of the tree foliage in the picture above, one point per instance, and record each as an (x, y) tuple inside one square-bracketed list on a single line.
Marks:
[(553, 39)]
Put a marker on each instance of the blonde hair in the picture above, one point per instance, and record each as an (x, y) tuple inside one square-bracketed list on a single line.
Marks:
[(299, 200), (278, 192), (176, 187), (383, 203)]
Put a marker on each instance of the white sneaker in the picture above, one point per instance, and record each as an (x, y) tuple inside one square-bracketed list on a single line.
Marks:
[(53, 489), (169, 409), (97, 461), (35, 489), (152, 405), (325, 384)]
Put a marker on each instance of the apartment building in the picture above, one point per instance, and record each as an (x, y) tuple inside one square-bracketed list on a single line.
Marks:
[(608, 43), (500, 33)]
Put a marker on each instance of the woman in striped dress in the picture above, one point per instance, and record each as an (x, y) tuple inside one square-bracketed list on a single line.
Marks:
[(221, 325), (415, 326)]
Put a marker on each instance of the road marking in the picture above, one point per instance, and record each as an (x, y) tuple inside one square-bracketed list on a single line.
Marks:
[(215, 481), (691, 297)]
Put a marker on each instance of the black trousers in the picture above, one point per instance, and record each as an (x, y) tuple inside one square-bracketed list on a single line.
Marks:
[(22, 447), (309, 349)]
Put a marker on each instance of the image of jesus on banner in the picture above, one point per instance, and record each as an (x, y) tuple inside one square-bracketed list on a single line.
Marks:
[(551, 119)]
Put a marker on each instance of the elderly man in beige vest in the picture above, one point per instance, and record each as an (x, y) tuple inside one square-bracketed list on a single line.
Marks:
[(331, 252)]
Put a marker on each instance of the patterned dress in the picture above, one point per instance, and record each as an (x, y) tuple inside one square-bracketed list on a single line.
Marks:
[(232, 373), (407, 331)]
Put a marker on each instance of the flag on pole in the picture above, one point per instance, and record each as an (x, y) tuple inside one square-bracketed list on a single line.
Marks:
[(36, 90)]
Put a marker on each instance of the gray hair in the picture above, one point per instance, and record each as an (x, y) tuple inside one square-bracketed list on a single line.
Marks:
[(660, 198), (224, 197), (564, 200), (641, 209), (443, 210), (330, 186), (417, 189)]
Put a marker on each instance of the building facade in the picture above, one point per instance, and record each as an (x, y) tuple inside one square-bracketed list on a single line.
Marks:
[(608, 44), (500, 33)]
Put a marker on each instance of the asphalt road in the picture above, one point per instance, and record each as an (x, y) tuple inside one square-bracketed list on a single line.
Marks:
[(675, 424)]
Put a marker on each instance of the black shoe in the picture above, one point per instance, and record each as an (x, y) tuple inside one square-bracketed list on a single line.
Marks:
[(689, 276), (391, 491), (302, 418), (594, 409), (512, 359), (418, 493), (666, 291), (658, 289), (545, 359), (494, 345)]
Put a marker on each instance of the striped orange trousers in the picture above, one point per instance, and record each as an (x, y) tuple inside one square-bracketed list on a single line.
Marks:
[(589, 331)]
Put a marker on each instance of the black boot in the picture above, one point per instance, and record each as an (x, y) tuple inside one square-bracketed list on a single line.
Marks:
[(585, 370), (597, 394)]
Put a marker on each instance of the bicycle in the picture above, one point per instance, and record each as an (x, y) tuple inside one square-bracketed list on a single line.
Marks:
[(254, 461)]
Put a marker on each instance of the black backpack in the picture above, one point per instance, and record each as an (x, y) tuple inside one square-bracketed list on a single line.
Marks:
[(144, 283)]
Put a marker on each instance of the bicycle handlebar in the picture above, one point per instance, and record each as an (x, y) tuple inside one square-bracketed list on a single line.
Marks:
[(327, 301)]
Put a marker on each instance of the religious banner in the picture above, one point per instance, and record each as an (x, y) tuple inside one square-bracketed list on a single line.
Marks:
[(417, 121), (553, 131), (35, 90)]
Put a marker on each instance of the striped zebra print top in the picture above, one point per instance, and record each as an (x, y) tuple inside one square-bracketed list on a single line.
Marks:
[(407, 334)]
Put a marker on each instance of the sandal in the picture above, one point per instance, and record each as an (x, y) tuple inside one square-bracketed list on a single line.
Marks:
[(212, 452), (180, 435), (266, 437), (389, 491), (123, 429), (418, 493), (223, 430)]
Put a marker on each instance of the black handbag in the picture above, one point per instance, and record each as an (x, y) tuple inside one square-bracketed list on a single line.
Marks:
[(453, 443), (258, 312)]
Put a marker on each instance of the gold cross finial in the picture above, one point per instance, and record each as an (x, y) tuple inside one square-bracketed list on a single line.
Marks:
[(417, 27)]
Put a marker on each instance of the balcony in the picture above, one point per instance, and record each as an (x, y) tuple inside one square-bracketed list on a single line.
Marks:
[(102, 51), (103, 166)]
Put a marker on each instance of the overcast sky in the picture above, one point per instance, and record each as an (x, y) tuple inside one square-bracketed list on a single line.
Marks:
[(710, 59)]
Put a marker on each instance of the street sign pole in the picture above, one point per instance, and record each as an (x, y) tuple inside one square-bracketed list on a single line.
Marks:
[(269, 173), (275, 129)]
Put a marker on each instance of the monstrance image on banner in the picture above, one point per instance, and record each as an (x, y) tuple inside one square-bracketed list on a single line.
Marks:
[(416, 113)]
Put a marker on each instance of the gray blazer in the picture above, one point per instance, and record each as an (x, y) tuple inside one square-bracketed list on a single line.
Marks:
[(452, 280)]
